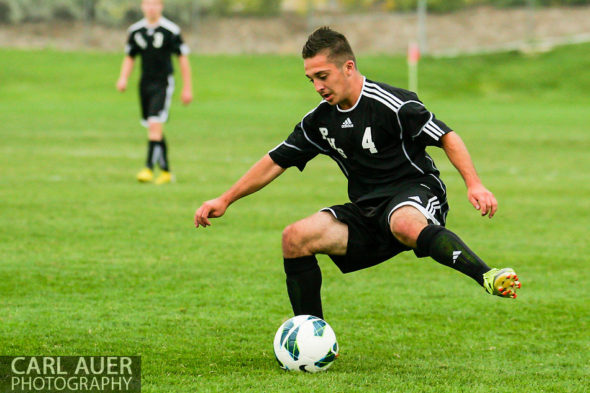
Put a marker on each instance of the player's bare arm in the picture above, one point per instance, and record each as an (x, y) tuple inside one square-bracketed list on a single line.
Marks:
[(126, 69), (187, 86), (257, 177), (479, 196)]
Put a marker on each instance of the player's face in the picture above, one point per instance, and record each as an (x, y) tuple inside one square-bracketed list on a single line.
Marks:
[(152, 9), (332, 82)]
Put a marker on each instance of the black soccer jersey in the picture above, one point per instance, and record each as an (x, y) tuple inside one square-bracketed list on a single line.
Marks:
[(379, 143), (155, 44)]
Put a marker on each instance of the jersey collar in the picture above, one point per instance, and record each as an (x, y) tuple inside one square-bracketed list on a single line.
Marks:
[(357, 101)]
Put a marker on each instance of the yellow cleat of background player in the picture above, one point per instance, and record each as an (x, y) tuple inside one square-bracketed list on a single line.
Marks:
[(146, 175), (164, 178)]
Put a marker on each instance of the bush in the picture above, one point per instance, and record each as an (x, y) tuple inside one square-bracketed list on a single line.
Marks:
[(63, 13), (132, 15), (4, 12)]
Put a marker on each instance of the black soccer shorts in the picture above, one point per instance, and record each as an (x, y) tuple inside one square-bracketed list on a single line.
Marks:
[(155, 97), (370, 240)]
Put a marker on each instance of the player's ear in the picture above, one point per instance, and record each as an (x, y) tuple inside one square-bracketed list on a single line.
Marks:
[(349, 67)]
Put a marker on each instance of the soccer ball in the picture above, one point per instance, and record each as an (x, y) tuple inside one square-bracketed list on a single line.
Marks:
[(305, 343)]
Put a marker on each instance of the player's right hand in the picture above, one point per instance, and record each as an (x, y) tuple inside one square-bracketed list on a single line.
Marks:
[(210, 209)]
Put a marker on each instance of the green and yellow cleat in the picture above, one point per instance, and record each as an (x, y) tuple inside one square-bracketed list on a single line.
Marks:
[(164, 178), (146, 175), (502, 282)]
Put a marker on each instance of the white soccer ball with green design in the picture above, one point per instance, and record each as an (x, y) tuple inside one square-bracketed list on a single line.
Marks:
[(305, 343)]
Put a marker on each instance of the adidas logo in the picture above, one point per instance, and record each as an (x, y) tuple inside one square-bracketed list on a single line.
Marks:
[(456, 255), (347, 123)]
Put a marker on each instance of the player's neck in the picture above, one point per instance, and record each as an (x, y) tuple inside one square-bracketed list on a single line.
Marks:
[(355, 92), (153, 21)]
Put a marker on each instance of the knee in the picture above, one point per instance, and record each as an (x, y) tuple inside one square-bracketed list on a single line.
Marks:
[(292, 240), (406, 229), (155, 131), (401, 229)]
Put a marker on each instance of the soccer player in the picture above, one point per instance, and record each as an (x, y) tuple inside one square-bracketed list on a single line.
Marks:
[(155, 38), (377, 134)]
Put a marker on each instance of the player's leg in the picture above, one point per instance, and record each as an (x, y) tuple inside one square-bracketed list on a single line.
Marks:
[(162, 107), (411, 228), (157, 102), (156, 138), (409, 224), (157, 153), (159, 150), (147, 173), (155, 130), (447, 248), (320, 233), (159, 107)]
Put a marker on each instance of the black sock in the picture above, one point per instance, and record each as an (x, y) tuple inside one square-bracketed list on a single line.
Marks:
[(304, 281), (163, 159), (448, 249), (158, 153), (149, 162)]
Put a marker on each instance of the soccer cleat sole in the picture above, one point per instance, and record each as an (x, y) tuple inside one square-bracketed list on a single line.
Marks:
[(506, 284)]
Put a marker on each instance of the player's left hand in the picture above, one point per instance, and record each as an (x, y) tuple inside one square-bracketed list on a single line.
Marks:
[(186, 96), (122, 84), (483, 200)]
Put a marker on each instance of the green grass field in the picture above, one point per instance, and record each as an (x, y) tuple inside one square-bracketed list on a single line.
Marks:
[(93, 263)]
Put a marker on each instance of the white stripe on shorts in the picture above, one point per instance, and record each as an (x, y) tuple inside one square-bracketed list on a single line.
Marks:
[(421, 209)]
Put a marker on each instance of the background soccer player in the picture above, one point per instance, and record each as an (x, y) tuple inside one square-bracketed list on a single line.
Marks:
[(155, 38), (377, 134)]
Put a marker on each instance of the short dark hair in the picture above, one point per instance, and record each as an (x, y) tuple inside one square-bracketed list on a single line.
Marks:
[(326, 39)]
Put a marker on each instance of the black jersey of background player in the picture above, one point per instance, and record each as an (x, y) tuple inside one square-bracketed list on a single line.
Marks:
[(379, 143), (155, 44)]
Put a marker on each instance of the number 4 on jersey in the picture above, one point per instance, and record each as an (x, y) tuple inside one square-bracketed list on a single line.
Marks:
[(367, 142)]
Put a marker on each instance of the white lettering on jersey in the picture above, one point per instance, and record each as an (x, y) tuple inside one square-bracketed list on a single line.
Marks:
[(140, 40), (331, 141), (367, 142), (158, 40)]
